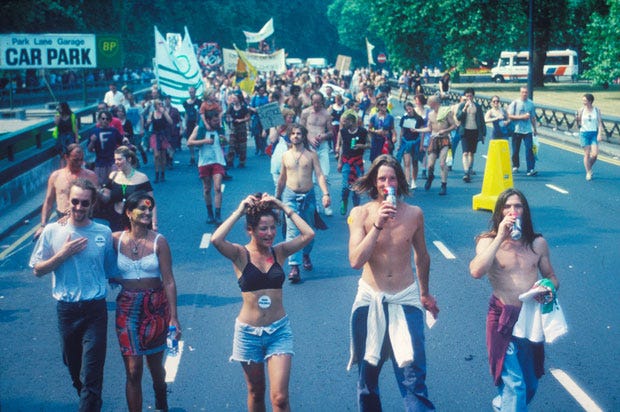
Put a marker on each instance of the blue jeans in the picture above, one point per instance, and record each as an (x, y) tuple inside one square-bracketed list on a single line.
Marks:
[(346, 170), (83, 328), (519, 382), (454, 142), (304, 205), (409, 146), (411, 379), (530, 161)]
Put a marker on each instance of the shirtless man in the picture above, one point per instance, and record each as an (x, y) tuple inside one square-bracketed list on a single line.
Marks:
[(295, 188), (440, 123), (381, 238), (318, 121), (513, 267), (59, 183)]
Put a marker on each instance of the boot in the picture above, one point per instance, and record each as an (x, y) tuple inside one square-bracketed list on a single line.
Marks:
[(163, 177), (294, 276), (443, 191), (161, 397), (429, 179), (156, 177)]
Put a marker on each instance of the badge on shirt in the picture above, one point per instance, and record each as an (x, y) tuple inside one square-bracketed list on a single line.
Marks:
[(264, 302)]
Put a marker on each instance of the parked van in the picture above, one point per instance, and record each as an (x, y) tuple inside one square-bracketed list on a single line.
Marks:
[(559, 65), (294, 63), (316, 62)]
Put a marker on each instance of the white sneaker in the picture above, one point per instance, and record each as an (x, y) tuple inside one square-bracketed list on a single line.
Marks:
[(413, 185), (329, 211), (589, 176), (515, 169)]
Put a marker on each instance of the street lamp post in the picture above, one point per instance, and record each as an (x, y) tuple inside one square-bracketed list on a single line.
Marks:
[(530, 45)]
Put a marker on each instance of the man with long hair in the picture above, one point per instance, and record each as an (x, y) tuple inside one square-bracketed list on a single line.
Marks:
[(512, 266)]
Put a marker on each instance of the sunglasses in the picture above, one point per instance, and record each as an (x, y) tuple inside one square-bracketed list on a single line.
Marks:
[(382, 104), (104, 118), (494, 101), (84, 203)]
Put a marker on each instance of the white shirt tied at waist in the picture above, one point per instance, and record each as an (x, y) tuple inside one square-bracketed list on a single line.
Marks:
[(376, 324)]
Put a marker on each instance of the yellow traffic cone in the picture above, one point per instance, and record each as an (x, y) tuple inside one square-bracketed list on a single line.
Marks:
[(497, 175)]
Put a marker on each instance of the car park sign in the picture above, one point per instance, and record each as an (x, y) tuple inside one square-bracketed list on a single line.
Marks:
[(47, 51)]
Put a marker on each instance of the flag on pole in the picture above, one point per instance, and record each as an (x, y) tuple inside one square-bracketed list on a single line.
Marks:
[(261, 35), (177, 70), (246, 74), (369, 48)]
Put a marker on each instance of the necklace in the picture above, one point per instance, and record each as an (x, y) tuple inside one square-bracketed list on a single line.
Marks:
[(134, 246), (299, 156), (124, 186)]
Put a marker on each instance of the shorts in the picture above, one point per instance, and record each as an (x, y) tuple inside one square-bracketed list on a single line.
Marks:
[(259, 343), (142, 318), (159, 142), (211, 170), (470, 140), (588, 138)]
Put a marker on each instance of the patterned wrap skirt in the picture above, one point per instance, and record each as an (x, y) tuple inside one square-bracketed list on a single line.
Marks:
[(142, 318)]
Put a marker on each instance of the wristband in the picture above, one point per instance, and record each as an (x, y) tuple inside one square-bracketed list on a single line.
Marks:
[(377, 227), (289, 214), (325, 194)]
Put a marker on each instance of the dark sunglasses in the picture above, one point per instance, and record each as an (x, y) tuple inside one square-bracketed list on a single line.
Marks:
[(494, 101), (84, 203), (104, 118), (382, 104)]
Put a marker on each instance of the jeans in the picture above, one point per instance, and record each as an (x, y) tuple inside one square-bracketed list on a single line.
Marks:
[(530, 161), (303, 205), (346, 171), (454, 143), (323, 153), (412, 147), (519, 382), (83, 332), (410, 379)]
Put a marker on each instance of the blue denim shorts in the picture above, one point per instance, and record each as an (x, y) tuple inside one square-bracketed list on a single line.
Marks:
[(259, 343), (588, 138)]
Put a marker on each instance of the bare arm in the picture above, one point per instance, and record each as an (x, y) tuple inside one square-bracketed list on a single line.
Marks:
[(48, 204), (487, 248), (282, 179), (320, 178), (232, 251), (285, 249), (544, 263)]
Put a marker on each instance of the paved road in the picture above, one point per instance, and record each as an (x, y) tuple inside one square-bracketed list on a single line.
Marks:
[(577, 217)]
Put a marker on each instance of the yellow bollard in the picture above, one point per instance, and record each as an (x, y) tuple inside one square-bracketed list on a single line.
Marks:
[(497, 175)]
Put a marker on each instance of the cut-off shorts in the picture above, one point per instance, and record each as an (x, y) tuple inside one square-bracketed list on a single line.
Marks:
[(258, 343)]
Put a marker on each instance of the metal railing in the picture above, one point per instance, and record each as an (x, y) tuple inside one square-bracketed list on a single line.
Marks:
[(548, 116)]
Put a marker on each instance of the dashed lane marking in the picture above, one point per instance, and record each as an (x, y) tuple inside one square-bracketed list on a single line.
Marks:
[(172, 364), (444, 250), (206, 240), (575, 391), (557, 189)]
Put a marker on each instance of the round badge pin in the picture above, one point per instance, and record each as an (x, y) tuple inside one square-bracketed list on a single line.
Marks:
[(264, 302)]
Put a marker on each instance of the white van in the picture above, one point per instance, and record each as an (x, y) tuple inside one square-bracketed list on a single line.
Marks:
[(559, 65), (294, 62), (316, 62)]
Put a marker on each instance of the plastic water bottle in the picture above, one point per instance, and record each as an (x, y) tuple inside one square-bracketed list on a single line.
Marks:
[(173, 343), (515, 233), (391, 196)]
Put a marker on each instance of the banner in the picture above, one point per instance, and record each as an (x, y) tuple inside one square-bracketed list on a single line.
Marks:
[(343, 63), (177, 71), (265, 32), (245, 73), (47, 51), (369, 48), (262, 62)]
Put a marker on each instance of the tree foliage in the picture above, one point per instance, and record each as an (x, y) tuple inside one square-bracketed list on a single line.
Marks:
[(602, 45)]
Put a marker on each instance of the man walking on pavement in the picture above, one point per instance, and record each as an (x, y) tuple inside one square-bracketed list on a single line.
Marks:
[(317, 120), (296, 190), (387, 319), (80, 255), (522, 112)]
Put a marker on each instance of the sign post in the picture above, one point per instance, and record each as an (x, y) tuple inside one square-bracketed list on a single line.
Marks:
[(381, 58)]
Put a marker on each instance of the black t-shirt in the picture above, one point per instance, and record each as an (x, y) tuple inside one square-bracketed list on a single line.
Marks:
[(408, 133), (191, 110), (360, 134)]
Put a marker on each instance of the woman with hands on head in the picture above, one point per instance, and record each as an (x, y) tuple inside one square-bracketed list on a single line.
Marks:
[(262, 329)]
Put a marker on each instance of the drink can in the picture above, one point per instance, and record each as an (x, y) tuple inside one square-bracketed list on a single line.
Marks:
[(515, 233), (391, 195)]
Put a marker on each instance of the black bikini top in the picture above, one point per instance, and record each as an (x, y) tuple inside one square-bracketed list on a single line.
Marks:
[(252, 279)]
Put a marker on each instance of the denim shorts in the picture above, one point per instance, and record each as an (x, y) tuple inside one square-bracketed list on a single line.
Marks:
[(259, 343), (588, 138)]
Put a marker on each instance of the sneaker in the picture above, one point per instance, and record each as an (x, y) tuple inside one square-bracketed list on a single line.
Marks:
[(532, 172), (443, 191), (227, 177), (589, 176), (413, 185), (466, 178), (307, 263), (294, 275), (210, 220), (423, 174), (329, 211), (515, 170)]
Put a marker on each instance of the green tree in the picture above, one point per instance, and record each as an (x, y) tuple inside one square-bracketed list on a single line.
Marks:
[(602, 46)]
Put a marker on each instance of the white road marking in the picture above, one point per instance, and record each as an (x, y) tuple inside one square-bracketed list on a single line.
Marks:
[(444, 250), (172, 364), (575, 391), (206, 241), (557, 189)]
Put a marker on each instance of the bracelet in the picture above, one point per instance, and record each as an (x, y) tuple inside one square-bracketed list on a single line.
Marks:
[(377, 227), (326, 194), (289, 214)]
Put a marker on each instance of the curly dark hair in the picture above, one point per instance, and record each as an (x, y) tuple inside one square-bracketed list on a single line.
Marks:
[(260, 209), (133, 200)]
